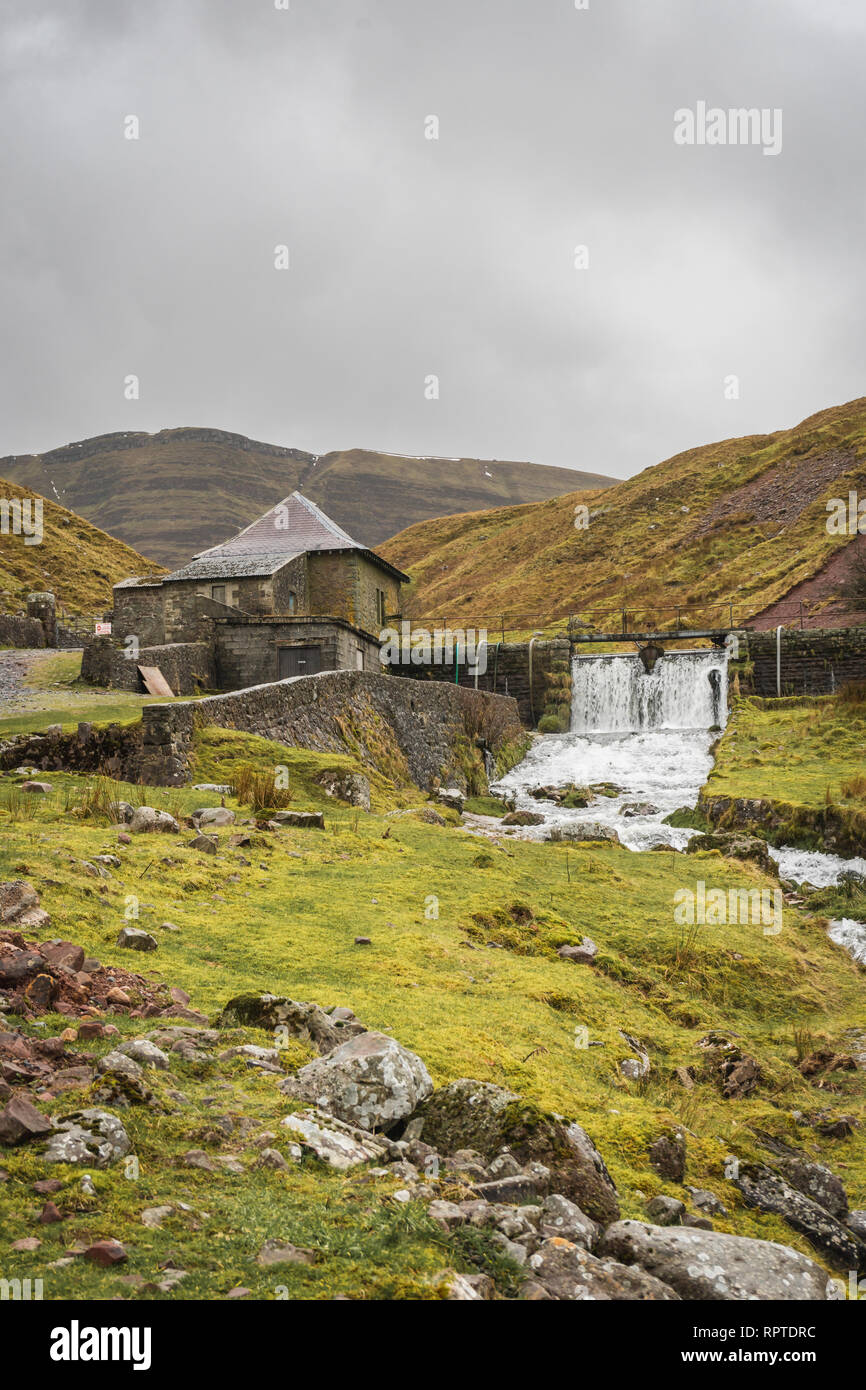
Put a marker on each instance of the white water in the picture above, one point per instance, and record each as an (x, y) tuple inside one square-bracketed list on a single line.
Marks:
[(648, 734), (812, 866), (613, 694), (852, 935)]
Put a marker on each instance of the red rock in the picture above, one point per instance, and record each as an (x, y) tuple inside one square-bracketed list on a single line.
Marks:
[(106, 1253), (124, 839), (111, 1030), (91, 1028), (45, 1186), (49, 1215), (239, 1292), (179, 996), (27, 1244), (40, 993), (63, 953), (19, 966), (68, 1035), (20, 1120)]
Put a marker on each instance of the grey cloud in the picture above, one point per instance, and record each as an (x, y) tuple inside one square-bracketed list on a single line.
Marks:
[(411, 257)]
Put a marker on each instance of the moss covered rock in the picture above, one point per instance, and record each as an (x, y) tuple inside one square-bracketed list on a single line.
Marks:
[(477, 1115)]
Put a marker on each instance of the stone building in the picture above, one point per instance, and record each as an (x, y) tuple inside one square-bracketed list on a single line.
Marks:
[(290, 595)]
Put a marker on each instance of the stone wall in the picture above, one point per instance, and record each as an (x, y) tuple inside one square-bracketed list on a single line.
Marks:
[(815, 662), (187, 666), (344, 584), (42, 605), (508, 673), (413, 730), (247, 650), (138, 613), (114, 750), (21, 632)]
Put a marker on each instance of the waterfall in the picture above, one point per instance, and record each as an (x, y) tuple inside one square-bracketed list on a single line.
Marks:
[(613, 694)]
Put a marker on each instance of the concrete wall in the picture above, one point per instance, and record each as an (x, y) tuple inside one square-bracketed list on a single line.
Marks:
[(416, 730), (813, 662)]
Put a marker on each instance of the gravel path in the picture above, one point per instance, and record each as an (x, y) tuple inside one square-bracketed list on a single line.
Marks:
[(14, 666)]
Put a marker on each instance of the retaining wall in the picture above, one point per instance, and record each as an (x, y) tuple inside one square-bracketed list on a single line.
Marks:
[(420, 730), (539, 681), (815, 662)]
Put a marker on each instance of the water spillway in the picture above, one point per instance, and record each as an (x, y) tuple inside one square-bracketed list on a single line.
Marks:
[(614, 694), (645, 735)]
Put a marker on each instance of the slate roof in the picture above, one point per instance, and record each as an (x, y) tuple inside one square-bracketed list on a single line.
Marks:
[(293, 527)]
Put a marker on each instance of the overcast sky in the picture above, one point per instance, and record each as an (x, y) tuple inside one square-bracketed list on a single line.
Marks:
[(413, 257)]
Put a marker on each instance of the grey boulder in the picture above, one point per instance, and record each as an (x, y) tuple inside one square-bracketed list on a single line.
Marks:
[(134, 939), (88, 1136), (145, 820), (339, 1145), (213, 815), (561, 1271), (370, 1081), (711, 1266), (771, 1193)]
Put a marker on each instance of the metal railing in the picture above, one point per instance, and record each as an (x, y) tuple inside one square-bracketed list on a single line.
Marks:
[(622, 621)]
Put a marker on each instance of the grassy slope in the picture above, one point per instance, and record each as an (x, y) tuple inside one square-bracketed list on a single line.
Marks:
[(75, 561), (807, 752), (507, 1015), (645, 545), (177, 492)]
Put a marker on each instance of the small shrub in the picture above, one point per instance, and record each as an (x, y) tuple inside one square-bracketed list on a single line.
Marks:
[(259, 791)]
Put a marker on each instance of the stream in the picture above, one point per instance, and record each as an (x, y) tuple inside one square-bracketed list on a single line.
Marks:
[(640, 743)]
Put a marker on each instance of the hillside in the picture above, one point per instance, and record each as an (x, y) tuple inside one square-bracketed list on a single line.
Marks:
[(175, 493), (207, 1112), (739, 522), (75, 560)]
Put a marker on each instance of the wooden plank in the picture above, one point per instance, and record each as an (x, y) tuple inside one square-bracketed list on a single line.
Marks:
[(154, 681)]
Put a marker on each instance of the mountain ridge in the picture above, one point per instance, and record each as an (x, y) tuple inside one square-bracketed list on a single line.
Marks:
[(179, 491)]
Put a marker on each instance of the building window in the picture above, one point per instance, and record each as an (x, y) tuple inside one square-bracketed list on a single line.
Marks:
[(380, 607), (218, 592), (293, 601), (359, 659)]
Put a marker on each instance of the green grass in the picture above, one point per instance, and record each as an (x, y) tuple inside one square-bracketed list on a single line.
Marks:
[(807, 752), (285, 922)]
